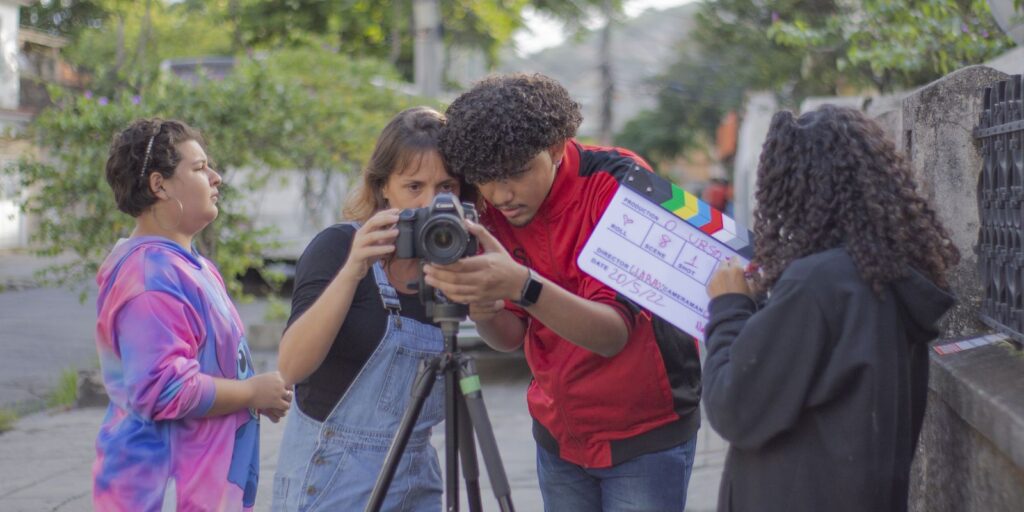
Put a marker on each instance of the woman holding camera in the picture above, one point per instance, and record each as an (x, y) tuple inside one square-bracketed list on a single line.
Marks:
[(355, 338)]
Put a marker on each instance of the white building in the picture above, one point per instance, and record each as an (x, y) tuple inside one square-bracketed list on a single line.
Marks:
[(13, 229)]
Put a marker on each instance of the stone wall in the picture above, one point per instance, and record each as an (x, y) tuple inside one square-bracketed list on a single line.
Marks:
[(938, 120), (971, 453)]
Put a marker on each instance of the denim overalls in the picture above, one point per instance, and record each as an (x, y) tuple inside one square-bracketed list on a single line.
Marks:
[(332, 466)]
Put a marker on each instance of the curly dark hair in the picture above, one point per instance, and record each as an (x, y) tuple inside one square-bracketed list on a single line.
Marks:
[(500, 124), (128, 166), (832, 178)]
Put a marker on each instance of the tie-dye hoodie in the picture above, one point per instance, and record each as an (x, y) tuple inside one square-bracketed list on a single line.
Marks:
[(165, 328)]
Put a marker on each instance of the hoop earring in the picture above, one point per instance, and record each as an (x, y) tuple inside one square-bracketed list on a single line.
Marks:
[(181, 214)]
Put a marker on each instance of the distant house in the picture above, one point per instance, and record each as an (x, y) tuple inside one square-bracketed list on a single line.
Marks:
[(29, 60), (193, 68)]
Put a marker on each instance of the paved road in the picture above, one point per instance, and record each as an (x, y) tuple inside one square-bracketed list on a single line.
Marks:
[(43, 332), (45, 462)]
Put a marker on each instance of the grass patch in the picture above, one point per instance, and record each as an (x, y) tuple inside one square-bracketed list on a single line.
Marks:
[(7, 419), (66, 392)]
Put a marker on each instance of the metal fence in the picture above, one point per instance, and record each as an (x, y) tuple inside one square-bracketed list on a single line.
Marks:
[(1000, 133)]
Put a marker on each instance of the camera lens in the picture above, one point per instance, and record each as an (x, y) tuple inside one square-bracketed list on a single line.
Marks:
[(444, 239)]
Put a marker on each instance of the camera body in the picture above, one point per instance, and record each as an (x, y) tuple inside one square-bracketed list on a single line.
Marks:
[(436, 233)]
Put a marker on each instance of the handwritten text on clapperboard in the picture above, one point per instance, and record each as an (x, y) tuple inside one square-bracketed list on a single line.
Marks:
[(656, 259)]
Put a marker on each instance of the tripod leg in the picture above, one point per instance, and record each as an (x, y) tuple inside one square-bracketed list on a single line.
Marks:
[(451, 439), (467, 449), (421, 387), (469, 382)]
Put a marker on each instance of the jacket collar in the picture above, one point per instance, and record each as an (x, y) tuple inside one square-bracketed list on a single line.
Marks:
[(565, 185)]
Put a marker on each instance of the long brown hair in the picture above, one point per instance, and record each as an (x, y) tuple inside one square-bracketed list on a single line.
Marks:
[(406, 138), (831, 178)]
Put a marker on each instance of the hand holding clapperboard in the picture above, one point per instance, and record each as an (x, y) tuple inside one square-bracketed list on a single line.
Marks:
[(658, 245)]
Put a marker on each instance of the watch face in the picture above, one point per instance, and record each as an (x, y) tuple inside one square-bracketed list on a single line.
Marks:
[(531, 292)]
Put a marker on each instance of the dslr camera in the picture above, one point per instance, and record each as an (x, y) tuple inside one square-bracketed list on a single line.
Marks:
[(436, 233)]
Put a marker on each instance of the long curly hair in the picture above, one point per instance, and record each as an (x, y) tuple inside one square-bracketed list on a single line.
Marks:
[(832, 178), (499, 125)]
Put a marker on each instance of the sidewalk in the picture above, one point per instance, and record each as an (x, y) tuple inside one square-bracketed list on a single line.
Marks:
[(19, 266), (45, 462)]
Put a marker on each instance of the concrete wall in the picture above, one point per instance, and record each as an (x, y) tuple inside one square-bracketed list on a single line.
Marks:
[(937, 123), (757, 117), (970, 457), (971, 453)]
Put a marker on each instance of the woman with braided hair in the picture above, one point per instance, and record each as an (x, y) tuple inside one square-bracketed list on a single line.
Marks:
[(821, 389)]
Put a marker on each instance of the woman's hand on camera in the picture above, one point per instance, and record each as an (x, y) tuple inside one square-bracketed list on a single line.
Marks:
[(484, 278), (374, 240), (729, 278)]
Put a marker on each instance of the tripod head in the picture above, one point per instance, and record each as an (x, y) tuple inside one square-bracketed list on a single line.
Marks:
[(440, 309)]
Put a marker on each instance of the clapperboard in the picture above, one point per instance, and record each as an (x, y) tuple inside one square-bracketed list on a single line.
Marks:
[(658, 245)]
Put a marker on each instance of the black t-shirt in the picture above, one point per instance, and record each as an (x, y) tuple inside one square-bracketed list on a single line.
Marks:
[(362, 329)]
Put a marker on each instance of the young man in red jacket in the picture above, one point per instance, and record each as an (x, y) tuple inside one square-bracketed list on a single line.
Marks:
[(615, 391)]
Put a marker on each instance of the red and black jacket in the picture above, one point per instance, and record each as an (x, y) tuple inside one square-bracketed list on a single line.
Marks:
[(591, 410)]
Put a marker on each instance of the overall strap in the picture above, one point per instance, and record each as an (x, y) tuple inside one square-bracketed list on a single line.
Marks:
[(388, 294)]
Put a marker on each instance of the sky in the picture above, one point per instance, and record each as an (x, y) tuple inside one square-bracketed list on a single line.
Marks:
[(543, 32)]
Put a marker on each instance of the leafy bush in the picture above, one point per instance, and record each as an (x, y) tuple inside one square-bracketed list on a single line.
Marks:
[(308, 109)]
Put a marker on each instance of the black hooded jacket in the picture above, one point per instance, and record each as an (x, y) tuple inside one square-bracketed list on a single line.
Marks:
[(821, 392)]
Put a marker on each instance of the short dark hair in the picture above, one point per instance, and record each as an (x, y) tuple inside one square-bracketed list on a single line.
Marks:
[(129, 166), (499, 125)]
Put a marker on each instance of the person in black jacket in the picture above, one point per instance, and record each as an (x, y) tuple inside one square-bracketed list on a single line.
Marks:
[(821, 391)]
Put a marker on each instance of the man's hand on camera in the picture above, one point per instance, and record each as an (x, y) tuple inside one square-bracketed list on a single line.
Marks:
[(481, 279)]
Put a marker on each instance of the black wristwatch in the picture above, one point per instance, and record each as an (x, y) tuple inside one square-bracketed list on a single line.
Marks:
[(531, 290)]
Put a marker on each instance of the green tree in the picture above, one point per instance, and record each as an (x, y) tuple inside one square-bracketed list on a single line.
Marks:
[(801, 48), (376, 29), (890, 44), (309, 109), (693, 96), (124, 50), (728, 53)]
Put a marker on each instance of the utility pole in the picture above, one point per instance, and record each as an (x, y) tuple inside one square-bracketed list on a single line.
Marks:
[(428, 49), (607, 80)]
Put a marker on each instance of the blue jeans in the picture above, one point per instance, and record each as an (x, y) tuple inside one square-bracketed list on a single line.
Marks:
[(655, 482)]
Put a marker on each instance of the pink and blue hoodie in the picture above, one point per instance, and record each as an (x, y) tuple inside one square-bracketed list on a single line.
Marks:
[(165, 329)]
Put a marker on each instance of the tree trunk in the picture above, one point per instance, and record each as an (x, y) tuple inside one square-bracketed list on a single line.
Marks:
[(144, 33), (119, 55), (428, 51), (607, 82), (235, 13), (396, 34)]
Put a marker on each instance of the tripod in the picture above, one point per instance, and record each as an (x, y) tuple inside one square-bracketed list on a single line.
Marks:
[(464, 413)]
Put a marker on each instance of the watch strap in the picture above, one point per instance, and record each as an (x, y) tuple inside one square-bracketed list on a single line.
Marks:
[(531, 290)]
